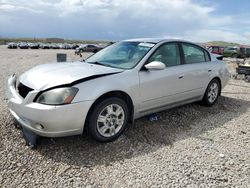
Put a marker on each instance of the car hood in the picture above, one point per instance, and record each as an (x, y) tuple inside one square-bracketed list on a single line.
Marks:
[(46, 76)]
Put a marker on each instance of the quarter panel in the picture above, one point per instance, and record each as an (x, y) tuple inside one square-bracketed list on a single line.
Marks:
[(220, 70)]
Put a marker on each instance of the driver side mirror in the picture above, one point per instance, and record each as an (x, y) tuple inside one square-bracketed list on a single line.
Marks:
[(155, 65)]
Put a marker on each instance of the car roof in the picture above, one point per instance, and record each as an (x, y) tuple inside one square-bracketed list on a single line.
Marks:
[(158, 40), (151, 40), (154, 40)]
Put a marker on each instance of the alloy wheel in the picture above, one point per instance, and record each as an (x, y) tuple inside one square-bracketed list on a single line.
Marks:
[(110, 120), (213, 92)]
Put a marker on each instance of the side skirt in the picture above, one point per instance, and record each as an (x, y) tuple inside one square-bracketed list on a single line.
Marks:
[(167, 106)]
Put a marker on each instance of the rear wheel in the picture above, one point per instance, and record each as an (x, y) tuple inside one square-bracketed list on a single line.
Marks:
[(212, 93), (108, 119)]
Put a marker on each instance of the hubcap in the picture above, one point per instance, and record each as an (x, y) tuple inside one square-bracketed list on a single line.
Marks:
[(110, 120), (213, 92)]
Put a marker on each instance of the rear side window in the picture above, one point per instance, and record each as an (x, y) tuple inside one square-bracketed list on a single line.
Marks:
[(194, 54)]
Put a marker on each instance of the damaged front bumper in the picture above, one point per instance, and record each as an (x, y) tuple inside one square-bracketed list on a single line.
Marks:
[(46, 120)]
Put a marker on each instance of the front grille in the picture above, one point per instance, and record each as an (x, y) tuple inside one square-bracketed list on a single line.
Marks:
[(23, 90)]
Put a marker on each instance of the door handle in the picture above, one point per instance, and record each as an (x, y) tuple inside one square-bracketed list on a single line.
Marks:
[(209, 70), (181, 76)]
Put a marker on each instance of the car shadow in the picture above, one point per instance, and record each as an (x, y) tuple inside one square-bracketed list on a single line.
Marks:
[(145, 136)]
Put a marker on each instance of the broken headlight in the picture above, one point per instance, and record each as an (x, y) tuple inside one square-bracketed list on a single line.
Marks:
[(57, 96)]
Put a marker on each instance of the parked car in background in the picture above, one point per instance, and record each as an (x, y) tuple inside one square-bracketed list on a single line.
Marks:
[(231, 52), (61, 46), (216, 49), (54, 46), (116, 85), (74, 46), (12, 45), (33, 45), (244, 51), (88, 48), (67, 46), (23, 45), (237, 52), (79, 50), (45, 46)]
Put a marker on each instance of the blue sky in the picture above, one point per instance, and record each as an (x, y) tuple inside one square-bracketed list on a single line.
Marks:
[(195, 20)]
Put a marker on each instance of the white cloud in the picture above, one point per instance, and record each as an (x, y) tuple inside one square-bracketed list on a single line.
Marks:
[(217, 35), (118, 19), (7, 7)]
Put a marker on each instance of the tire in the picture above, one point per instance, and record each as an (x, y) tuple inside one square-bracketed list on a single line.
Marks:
[(106, 123), (212, 93)]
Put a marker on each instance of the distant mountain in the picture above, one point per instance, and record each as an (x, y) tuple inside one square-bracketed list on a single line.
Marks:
[(7, 40), (221, 43)]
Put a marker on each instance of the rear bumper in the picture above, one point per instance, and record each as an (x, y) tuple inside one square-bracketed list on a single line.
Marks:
[(46, 120)]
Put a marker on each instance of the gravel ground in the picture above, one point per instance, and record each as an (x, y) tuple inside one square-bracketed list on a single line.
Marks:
[(189, 146)]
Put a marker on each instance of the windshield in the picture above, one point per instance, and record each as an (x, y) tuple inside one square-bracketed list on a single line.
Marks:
[(124, 55)]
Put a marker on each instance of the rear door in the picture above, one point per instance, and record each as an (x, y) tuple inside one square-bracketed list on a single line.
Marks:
[(196, 70)]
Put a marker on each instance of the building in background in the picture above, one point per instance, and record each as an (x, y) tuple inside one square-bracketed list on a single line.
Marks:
[(54, 40)]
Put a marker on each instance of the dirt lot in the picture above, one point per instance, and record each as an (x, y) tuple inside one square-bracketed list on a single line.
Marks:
[(189, 146)]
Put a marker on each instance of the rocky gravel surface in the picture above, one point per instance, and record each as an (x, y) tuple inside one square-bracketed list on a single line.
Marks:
[(190, 146)]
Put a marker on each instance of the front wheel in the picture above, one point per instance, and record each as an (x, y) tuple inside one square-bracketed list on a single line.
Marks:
[(212, 93), (108, 119)]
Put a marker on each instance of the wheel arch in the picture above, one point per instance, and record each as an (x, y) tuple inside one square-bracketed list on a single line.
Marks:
[(219, 80), (116, 93)]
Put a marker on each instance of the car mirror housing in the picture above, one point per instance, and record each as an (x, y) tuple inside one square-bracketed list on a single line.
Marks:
[(155, 65)]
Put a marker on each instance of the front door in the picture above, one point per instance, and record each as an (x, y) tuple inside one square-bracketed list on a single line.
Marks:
[(161, 87)]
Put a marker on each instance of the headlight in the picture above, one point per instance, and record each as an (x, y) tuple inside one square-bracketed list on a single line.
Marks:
[(57, 96)]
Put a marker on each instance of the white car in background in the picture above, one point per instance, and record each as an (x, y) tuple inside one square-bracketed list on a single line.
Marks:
[(116, 85)]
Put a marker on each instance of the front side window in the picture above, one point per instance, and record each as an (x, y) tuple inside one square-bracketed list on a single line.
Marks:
[(167, 54), (193, 54), (124, 55)]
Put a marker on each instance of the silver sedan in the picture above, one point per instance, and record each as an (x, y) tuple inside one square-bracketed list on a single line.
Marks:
[(110, 89)]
